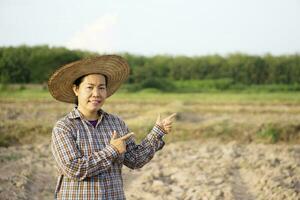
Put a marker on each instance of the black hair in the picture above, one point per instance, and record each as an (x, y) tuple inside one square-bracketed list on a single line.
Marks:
[(80, 79)]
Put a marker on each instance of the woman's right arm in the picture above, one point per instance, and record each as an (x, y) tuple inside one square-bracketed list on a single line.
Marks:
[(71, 162)]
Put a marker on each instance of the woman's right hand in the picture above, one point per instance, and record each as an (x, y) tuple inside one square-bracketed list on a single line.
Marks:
[(119, 143)]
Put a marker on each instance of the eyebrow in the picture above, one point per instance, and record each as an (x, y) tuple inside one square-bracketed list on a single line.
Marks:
[(96, 85)]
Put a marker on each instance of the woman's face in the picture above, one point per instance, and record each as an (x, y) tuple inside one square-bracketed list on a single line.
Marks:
[(91, 93)]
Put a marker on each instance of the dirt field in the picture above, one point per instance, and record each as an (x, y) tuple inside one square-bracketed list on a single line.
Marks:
[(182, 170), (216, 151), (193, 170)]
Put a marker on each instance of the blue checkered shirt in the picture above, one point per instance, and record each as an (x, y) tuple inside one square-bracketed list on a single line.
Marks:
[(88, 166)]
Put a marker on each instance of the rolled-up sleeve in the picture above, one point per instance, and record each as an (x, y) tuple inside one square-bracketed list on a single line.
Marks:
[(71, 162), (137, 155)]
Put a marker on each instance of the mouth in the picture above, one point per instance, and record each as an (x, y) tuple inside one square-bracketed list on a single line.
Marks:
[(95, 102)]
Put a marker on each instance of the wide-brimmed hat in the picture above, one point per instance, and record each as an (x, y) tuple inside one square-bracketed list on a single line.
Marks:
[(114, 67)]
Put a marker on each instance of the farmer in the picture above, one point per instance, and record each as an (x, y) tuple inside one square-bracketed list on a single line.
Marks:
[(90, 145)]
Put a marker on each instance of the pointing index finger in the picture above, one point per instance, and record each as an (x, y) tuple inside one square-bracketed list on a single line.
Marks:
[(172, 116), (125, 137)]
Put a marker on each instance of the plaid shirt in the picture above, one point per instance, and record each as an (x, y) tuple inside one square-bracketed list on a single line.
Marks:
[(89, 167)]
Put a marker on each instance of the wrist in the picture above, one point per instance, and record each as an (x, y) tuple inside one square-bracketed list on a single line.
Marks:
[(115, 148), (160, 130)]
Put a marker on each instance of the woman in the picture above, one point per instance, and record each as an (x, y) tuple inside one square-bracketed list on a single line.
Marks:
[(90, 145)]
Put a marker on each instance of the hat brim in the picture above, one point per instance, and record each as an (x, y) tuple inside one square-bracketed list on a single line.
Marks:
[(114, 67)]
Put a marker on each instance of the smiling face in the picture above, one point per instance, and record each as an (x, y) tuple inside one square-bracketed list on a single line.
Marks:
[(91, 94)]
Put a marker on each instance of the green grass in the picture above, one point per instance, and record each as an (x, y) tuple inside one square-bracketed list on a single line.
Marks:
[(269, 132), (10, 157), (154, 95), (209, 85), (24, 93)]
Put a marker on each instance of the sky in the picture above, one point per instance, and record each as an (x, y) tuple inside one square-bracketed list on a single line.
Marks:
[(173, 27)]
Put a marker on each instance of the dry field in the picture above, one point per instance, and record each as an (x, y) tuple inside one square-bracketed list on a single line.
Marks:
[(221, 147)]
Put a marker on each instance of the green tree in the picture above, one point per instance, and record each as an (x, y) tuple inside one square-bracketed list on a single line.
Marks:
[(13, 68)]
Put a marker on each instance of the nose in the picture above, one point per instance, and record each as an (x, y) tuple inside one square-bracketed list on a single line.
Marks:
[(96, 92)]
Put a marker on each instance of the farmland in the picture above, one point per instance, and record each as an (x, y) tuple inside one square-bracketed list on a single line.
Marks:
[(242, 145)]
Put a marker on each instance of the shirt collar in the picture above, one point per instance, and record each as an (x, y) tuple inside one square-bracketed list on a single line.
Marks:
[(75, 113)]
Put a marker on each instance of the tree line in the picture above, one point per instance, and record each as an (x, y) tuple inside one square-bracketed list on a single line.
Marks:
[(34, 64)]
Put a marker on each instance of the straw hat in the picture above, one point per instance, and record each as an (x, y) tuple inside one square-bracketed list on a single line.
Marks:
[(115, 68)]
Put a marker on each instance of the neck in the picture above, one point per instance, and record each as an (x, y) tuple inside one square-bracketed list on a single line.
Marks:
[(89, 115)]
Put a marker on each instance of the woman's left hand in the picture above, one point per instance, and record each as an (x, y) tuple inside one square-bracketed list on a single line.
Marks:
[(166, 123)]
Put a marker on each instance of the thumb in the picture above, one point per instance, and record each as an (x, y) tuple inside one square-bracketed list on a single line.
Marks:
[(158, 118), (115, 135)]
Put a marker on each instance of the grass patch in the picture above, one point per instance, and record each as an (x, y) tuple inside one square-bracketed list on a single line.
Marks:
[(270, 133), (223, 129), (274, 133), (13, 133), (24, 92), (10, 157), (27, 93), (217, 97)]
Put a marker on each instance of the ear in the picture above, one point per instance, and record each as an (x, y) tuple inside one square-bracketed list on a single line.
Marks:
[(75, 89)]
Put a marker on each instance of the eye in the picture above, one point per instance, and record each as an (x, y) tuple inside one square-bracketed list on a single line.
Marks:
[(90, 87)]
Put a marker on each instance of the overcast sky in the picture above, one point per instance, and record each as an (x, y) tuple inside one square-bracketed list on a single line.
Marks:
[(185, 27)]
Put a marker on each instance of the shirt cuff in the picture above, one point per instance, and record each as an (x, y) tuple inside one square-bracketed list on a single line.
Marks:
[(112, 151), (160, 132)]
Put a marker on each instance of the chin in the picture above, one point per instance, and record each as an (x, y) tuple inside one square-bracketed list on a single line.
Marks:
[(95, 108)]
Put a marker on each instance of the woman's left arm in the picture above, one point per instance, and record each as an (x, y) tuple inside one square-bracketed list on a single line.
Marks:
[(137, 156)]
